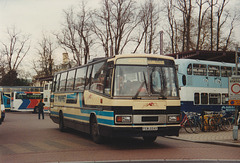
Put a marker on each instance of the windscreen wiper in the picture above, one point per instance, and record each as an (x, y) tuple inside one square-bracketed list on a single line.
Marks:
[(139, 89)]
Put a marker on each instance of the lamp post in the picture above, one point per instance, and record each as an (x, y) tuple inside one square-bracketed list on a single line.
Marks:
[(161, 42), (235, 126)]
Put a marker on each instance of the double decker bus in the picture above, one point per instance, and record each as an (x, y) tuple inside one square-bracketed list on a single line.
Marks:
[(204, 85), (25, 101), (123, 96)]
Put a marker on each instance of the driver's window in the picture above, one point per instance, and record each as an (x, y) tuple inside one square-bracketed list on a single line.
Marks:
[(156, 81)]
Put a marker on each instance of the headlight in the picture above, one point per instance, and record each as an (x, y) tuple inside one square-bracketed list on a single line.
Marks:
[(123, 119), (173, 118)]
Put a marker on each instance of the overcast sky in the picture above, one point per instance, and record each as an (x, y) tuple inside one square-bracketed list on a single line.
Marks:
[(37, 16)]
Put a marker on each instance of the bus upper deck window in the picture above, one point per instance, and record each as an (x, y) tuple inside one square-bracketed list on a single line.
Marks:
[(213, 70), (226, 71), (189, 69), (199, 69)]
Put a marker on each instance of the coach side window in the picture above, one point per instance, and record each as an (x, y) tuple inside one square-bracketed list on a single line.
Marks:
[(88, 77), (80, 78), (98, 75), (107, 89), (70, 80), (57, 78), (63, 81), (189, 69)]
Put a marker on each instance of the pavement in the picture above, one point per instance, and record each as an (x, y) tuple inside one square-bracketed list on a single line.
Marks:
[(220, 137)]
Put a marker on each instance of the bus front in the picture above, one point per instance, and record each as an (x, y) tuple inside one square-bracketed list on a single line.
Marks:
[(146, 97)]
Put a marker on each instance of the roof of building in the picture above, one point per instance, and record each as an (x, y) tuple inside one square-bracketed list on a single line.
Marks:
[(220, 56)]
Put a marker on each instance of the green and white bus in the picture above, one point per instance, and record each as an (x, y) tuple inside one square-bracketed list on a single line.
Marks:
[(122, 96)]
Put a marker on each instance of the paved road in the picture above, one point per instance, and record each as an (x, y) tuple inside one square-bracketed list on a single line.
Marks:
[(24, 138)]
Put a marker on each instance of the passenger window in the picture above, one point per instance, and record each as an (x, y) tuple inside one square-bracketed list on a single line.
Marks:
[(98, 75), (189, 69), (196, 98), (88, 77), (214, 98), (225, 98), (62, 81), (80, 79), (70, 80), (107, 89), (204, 98), (226, 71), (234, 71), (56, 87), (213, 70), (199, 69)]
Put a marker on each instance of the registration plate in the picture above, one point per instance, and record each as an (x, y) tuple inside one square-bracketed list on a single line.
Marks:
[(150, 128)]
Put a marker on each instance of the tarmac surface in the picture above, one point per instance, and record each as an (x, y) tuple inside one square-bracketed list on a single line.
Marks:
[(219, 137)]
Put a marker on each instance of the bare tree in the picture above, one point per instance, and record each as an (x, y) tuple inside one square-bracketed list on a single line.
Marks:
[(201, 16), (46, 59), (15, 48), (185, 7), (114, 24), (172, 24), (149, 20), (75, 35), (83, 26), (220, 23)]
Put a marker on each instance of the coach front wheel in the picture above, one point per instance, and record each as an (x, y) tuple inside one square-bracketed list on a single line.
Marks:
[(149, 139)]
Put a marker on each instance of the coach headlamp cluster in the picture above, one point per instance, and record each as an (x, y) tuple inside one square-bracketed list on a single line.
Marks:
[(123, 119), (173, 118)]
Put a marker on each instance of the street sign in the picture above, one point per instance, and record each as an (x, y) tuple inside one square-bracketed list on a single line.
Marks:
[(234, 90)]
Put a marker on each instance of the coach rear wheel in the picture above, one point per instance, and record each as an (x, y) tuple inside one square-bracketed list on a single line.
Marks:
[(61, 122)]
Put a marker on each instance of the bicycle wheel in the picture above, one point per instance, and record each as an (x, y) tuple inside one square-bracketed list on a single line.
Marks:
[(232, 121), (195, 126), (213, 125), (188, 126), (226, 124)]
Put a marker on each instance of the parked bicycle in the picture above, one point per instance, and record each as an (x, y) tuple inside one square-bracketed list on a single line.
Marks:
[(218, 121), (186, 123), (232, 120), (196, 122)]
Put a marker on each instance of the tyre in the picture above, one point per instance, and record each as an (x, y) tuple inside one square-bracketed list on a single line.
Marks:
[(188, 126), (149, 139), (95, 134), (213, 125), (195, 126), (226, 124), (61, 122)]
